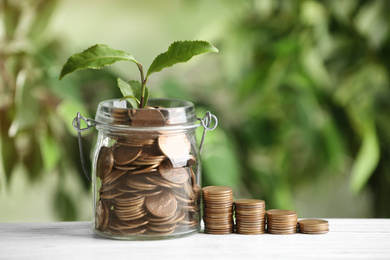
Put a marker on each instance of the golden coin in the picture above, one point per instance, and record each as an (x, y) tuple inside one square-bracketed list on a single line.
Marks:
[(162, 205), (110, 194), (218, 216), (150, 169), (249, 203), (191, 160), (217, 190), (147, 193), (124, 154), (313, 222), (281, 212), (316, 232), (218, 211), (162, 182), (105, 216), (131, 224), (182, 197), (129, 200), (162, 228), (113, 176), (131, 113), (191, 191), (107, 187), (132, 217), (176, 147), (175, 175), (105, 162), (313, 226), (218, 205), (218, 232), (227, 220), (99, 215), (140, 184), (156, 233), (148, 118), (126, 168), (128, 231)]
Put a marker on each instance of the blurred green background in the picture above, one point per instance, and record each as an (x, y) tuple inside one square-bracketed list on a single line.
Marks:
[(301, 90)]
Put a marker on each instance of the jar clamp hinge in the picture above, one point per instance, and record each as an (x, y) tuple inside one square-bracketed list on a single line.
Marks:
[(77, 126), (206, 122)]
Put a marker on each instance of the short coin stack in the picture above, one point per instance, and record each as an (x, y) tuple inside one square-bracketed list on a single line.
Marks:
[(313, 226), (250, 216), (218, 209), (281, 222)]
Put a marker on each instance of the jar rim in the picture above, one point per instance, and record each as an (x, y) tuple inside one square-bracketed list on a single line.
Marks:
[(123, 103), (178, 114)]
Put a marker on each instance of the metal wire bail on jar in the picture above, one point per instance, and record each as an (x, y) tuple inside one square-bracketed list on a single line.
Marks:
[(146, 168)]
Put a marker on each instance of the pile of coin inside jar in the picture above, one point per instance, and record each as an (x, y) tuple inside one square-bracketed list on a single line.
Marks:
[(147, 180), (251, 216)]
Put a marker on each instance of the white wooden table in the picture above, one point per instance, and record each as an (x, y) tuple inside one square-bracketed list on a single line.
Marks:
[(347, 239)]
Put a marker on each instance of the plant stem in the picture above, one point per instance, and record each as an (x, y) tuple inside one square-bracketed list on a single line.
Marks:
[(142, 105), (143, 81)]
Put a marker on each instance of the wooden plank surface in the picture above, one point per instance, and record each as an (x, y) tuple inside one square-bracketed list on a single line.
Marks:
[(347, 239)]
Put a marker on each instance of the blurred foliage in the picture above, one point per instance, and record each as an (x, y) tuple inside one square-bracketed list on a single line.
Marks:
[(301, 90), (35, 110), (308, 96)]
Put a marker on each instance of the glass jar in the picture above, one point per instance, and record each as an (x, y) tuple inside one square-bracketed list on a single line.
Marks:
[(146, 174)]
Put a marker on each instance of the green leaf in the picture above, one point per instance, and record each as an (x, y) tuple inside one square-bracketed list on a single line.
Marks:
[(179, 52), (366, 161), (95, 57), (128, 93)]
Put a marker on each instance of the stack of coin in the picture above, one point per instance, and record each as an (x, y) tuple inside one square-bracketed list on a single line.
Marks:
[(218, 209), (313, 226), (282, 222), (250, 216), (147, 182)]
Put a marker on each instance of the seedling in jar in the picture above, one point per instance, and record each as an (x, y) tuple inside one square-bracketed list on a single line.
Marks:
[(134, 91)]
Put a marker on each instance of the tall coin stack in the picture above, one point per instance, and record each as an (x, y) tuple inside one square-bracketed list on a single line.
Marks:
[(250, 216), (281, 222), (313, 226), (218, 210)]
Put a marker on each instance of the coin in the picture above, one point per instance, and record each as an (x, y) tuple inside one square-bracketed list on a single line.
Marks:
[(176, 147), (250, 216), (280, 213), (120, 116), (148, 118), (124, 154), (313, 226), (140, 184), (113, 176), (105, 216), (281, 221), (218, 209), (162, 205), (176, 175), (162, 182), (105, 162), (217, 190)]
